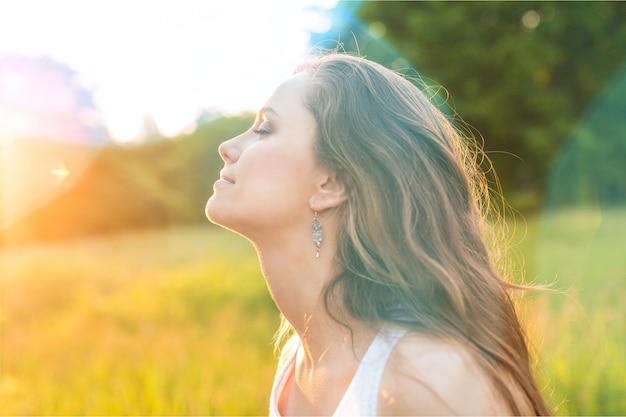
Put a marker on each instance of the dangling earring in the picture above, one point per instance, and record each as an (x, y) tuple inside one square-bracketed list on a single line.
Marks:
[(317, 234)]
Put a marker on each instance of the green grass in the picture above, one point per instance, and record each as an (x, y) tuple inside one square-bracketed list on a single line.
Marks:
[(179, 322), (580, 333), (176, 322)]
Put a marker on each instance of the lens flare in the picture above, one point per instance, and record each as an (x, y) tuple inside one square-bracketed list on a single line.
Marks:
[(60, 172)]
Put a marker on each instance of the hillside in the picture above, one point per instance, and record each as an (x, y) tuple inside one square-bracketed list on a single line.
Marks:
[(105, 189)]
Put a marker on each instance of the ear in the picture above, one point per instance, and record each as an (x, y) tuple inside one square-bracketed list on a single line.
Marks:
[(329, 192)]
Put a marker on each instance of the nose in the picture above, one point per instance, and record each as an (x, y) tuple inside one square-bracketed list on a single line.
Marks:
[(229, 150)]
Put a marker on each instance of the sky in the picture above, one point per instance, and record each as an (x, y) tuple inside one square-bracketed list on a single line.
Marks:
[(167, 59)]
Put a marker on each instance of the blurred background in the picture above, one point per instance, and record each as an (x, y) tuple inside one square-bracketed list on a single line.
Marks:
[(117, 295)]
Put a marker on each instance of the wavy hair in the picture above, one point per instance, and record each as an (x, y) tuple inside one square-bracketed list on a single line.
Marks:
[(412, 240)]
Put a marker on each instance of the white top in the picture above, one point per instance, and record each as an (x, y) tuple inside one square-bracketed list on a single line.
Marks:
[(361, 397)]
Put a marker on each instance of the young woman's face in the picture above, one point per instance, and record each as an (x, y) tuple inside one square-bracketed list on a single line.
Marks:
[(270, 170)]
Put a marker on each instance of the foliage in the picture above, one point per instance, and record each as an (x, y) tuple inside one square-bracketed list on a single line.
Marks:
[(590, 168), (539, 81), (179, 322), (158, 184), (521, 73)]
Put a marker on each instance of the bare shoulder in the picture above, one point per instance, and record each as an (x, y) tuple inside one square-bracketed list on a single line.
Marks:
[(427, 376)]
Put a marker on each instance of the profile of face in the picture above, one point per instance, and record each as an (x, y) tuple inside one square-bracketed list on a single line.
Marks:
[(270, 171)]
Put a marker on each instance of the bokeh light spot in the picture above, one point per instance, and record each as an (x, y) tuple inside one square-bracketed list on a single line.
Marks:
[(531, 19), (378, 29)]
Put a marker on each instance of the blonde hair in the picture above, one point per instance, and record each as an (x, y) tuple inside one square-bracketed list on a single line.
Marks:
[(412, 232)]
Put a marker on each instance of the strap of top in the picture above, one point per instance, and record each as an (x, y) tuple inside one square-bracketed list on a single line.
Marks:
[(361, 397), (285, 365)]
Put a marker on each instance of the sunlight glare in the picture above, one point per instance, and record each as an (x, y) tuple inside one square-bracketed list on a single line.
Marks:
[(167, 59), (60, 172)]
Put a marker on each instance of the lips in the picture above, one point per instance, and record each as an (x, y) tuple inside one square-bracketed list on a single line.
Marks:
[(226, 178)]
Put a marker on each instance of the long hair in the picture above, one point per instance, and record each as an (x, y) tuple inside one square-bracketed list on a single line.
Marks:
[(412, 237)]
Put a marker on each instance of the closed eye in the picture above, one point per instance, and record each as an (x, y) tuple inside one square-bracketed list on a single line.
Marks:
[(263, 129)]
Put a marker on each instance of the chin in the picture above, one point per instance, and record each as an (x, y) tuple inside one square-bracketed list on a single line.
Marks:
[(211, 211), (219, 213)]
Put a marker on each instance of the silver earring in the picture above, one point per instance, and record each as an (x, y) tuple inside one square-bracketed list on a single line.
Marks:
[(317, 234)]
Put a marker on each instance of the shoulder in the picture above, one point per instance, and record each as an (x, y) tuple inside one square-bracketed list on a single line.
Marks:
[(427, 376)]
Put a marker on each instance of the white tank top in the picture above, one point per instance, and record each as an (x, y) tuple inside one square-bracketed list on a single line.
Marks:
[(361, 397)]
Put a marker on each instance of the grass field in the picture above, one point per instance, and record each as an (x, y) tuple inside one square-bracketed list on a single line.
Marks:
[(581, 333), (178, 321)]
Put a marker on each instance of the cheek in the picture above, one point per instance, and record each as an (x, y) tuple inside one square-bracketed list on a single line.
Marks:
[(283, 170), (272, 189)]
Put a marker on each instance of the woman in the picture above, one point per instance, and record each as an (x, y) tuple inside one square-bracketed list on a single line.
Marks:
[(364, 206)]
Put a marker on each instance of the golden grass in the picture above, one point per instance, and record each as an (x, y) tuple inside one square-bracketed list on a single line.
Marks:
[(179, 322), (175, 322)]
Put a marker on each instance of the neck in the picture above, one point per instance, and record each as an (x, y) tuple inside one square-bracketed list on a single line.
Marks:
[(296, 279)]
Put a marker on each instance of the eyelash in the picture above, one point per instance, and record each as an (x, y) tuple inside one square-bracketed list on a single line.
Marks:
[(261, 130)]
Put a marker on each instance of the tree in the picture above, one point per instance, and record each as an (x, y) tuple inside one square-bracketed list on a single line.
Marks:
[(521, 73)]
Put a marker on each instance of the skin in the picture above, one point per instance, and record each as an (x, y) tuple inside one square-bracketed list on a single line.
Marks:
[(269, 188), (270, 171), (426, 376)]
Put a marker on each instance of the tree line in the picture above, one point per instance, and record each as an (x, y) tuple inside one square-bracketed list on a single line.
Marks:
[(541, 83)]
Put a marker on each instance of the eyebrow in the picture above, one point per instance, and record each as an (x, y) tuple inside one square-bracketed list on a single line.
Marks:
[(269, 110)]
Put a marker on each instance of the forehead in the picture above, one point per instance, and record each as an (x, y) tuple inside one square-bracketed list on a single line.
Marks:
[(290, 93)]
